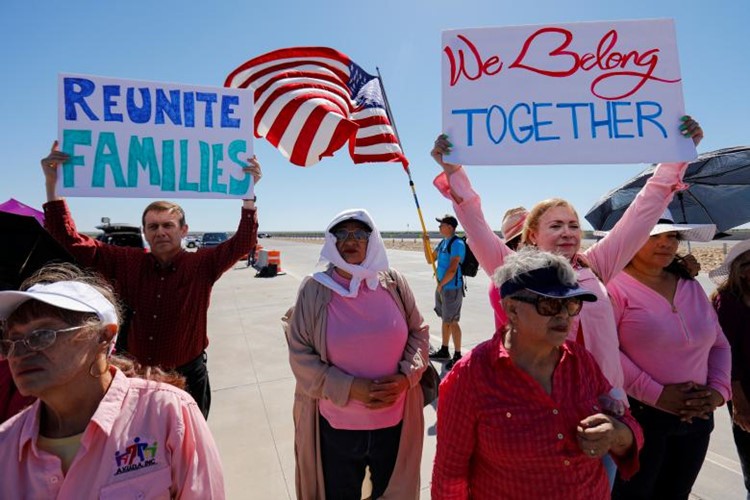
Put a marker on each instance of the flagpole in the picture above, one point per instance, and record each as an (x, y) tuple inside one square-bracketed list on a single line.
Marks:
[(425, 236)]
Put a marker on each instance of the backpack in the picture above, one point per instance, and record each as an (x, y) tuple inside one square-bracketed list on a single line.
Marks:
[(470, 265)]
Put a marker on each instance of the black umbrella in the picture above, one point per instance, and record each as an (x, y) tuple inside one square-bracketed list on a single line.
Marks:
[(26, 248), (718, 193)]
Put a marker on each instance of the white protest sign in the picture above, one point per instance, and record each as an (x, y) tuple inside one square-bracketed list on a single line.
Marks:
[(135, 139), (602, 92)]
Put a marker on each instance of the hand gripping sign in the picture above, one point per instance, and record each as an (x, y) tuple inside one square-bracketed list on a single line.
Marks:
[(602, 92)]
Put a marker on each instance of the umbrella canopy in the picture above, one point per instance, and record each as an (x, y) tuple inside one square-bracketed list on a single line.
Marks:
[(26, 248), (718, 193), (14, 206)]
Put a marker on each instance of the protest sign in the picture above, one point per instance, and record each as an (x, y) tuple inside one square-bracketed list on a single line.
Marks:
[(136, 139), (601, 92)]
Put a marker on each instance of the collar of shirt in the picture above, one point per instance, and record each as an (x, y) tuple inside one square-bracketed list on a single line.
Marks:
[(104, 416), (170, 266)]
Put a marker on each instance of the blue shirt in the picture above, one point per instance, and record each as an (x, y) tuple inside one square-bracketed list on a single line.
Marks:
[(457, 249)]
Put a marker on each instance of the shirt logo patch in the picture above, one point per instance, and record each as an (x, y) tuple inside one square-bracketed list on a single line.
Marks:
[(136, 456)]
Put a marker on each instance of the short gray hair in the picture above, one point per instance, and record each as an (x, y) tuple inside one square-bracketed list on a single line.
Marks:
[(529, 259)]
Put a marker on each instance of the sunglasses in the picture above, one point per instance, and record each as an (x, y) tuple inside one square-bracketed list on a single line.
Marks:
[(546, 306), (357, 234), (38, 340)]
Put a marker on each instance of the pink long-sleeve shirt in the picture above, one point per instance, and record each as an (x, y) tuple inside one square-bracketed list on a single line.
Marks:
[(662, 343), (605, 259), (145, 440), (365, 337)]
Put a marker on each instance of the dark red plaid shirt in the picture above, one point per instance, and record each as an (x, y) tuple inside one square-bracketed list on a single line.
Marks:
[(501, 436), (11, 401), (169, 303)]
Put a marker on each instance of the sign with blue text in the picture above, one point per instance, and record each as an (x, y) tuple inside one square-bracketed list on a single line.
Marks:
[(136, 139), (599, 92)]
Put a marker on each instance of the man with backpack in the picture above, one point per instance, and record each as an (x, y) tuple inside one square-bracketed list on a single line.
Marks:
[(449, 254)]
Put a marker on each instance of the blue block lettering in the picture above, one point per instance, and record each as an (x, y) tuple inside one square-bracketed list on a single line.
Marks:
[(107, 154), (238, 186), (76, 90), (185, 184), (142, 154), (71, 139), (209, 98), (138, 114), (167, 166), (227, 101), (110, 92), (169, 105), (216, 170)]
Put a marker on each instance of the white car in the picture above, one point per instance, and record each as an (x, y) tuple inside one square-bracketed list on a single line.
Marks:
[(191, 242)]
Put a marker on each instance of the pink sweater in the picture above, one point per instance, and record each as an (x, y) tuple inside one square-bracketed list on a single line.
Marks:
[(605, 258), (365, 337), (661, 344)]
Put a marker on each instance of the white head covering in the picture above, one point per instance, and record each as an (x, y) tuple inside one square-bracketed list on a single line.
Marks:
[(375, 261), (721, 273)]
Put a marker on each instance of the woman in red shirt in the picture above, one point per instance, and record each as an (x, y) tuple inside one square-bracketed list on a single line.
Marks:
[(527, 413)]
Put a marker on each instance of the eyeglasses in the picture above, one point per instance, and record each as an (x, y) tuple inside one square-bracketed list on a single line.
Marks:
[(38, 340), (546, 306), (357, 234)]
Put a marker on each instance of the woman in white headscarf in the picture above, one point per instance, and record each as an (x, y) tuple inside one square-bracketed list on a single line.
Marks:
[(358, 347)]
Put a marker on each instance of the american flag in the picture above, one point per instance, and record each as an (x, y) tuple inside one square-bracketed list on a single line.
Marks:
[(310, 101)]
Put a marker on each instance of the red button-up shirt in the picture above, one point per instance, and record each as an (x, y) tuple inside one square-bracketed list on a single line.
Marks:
[(11, 401), (500, 435), (169, 303)]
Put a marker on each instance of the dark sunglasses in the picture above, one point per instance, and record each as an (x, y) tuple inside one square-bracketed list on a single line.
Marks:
[(357, 234), (546, 306), (38, 340)]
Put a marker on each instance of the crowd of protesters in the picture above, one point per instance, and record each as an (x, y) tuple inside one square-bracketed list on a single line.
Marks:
[(601, 378)]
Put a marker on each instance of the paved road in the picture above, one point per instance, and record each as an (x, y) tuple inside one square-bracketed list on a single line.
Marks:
[(253, 385)]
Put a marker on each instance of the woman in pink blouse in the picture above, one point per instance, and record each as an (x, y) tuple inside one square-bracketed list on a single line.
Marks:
[(676, 362), (553, 225), (93, 432), (358, 347)]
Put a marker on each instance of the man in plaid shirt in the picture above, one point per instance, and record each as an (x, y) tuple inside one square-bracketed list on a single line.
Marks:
[(168, 290)]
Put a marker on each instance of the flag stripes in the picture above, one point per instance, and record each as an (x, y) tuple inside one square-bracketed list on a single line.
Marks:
[(311, 101)]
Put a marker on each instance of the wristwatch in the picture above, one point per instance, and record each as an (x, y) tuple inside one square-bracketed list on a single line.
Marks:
[(253, 199)]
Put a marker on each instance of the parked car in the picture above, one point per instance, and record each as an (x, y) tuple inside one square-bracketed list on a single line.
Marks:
[(122, 235), (191, 242), (213, 239), (264, 235)]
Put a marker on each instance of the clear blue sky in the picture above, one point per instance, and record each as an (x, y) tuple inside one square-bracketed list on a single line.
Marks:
[(200, 42)]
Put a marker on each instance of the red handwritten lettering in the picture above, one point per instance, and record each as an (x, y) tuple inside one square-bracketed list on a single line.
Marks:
[(490, 66), (613, 63)]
